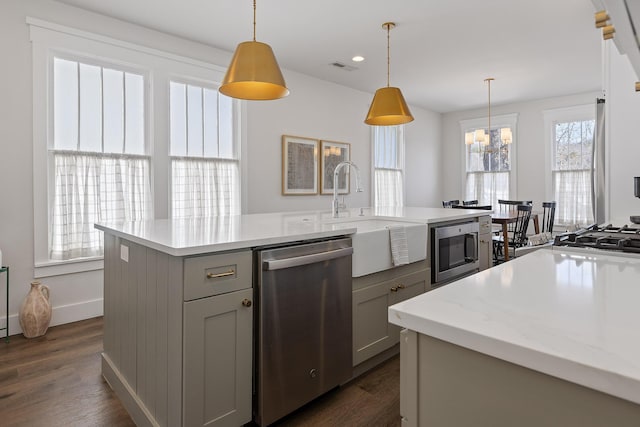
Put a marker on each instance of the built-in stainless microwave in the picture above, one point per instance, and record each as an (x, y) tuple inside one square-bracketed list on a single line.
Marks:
[(454, 251)]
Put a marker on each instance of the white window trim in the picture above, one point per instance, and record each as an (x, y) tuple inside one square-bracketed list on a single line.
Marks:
[(560, 115), (503, 120), (158, 67)]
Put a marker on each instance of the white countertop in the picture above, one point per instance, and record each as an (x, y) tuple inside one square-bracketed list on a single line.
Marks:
[(180, 237), (575, 316)]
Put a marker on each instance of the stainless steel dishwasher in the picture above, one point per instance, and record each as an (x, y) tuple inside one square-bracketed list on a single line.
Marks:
[(303, 330)]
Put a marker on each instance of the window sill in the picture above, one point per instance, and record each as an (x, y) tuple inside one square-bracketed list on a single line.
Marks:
[(59, 268)]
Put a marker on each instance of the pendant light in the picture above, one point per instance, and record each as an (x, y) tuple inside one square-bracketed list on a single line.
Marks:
[(388, 107), (506, 136), (254, 73)]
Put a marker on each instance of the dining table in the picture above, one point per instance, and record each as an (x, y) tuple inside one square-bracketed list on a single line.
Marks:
[(505, 218)]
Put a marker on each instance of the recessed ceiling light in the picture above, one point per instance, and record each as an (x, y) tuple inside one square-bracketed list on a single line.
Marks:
[(357, 58)]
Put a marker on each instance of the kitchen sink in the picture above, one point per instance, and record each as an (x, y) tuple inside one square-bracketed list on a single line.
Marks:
[(371, 243)]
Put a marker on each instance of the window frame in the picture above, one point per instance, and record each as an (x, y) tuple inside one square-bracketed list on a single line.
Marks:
[(574, 113), (401, 156), (237, 132), (158, 68), (497, 122)]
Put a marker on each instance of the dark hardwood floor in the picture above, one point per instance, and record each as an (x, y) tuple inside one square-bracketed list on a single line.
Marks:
[(55, 380)]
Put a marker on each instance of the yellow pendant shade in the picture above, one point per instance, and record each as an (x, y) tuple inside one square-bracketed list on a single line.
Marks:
[(388, 108), (254, 74), (480, 136)]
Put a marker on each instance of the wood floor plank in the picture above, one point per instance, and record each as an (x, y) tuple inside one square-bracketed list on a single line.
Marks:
[(55, 380)]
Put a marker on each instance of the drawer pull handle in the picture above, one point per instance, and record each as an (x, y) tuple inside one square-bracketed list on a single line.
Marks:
[(246, 302), (218, 275), (397, 287)]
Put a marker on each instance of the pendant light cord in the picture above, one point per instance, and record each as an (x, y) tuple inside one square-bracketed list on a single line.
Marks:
[(488, 80), (489, 86), (254, 20), (388, 53)]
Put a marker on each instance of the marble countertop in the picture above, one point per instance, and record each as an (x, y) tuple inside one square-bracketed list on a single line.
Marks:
[(181, 237), (573, 315)]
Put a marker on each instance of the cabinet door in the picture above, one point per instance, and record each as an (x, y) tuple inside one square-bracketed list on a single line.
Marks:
[(372, 332), (405, 287), (485, 248), (485, 243), (217, 360)]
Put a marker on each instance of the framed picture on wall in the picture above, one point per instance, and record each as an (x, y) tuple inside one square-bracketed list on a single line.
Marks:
[(299, 165), (331, 154)]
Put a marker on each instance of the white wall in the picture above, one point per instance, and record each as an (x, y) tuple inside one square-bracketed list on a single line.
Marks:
[(323, 110), (529, 145), (315, 108)]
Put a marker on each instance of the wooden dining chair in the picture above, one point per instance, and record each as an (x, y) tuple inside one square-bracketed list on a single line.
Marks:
[(510, 206), (548, 216), (469, 202), (450, 203), (517, 237)]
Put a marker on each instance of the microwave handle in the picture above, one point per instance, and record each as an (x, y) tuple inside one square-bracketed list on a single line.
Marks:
[(474, 247)]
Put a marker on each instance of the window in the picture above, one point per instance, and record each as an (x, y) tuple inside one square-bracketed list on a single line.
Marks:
[(572, 170), (489, 165), (388, 166), (205, 169), (115, 143), (100, 170)]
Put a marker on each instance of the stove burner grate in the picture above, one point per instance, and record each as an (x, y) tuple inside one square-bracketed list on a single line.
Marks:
[(623, 239)]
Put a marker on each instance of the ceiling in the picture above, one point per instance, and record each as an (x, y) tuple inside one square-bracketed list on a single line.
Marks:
[(441, 51)]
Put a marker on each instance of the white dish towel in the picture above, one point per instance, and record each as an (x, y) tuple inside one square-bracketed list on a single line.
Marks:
[(399, 247)]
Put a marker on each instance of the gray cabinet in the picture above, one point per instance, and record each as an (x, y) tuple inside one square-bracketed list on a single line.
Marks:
[(217, 360), (178, 335), (372, 295), (485, 243), (217, 339)]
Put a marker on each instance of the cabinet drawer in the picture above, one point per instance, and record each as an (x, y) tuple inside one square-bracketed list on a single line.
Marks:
[(485, 224), (216, 274)]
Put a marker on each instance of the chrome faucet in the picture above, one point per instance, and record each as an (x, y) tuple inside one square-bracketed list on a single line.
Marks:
[(336, 205)]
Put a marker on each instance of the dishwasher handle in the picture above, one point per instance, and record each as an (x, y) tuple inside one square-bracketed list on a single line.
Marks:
[(278, 264)]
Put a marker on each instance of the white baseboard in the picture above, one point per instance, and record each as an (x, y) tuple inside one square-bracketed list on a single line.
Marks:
[(61, 315)]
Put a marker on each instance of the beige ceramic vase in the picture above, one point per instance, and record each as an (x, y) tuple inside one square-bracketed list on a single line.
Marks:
[(35, 311)]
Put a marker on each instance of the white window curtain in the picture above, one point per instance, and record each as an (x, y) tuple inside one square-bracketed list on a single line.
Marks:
[(205, 187), (92, 188), (572, 192), (487, 187), (388, 188)]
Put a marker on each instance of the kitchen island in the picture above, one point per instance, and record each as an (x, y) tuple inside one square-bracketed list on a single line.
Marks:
[(179, 303), (551, 338)]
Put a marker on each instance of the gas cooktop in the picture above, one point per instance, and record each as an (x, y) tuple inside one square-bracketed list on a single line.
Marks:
[(606, 237)]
